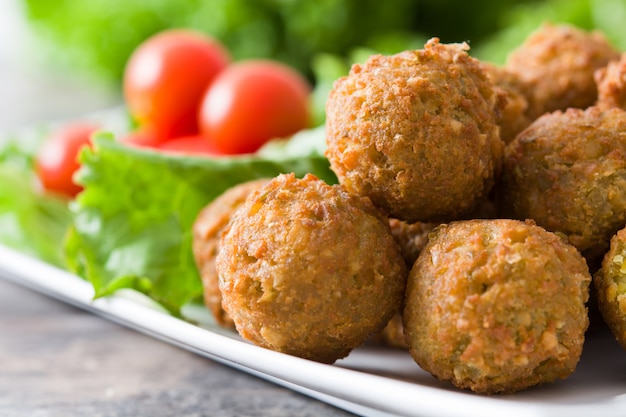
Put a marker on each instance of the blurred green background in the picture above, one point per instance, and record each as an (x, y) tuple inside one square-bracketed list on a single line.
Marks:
[(96, 37)]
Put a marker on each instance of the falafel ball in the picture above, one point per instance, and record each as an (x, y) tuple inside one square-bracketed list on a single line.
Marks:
[(207, 230), (416, 132), (556, 66), (610, 285), (497, 306), (567, 171), (611, 81), (412, 238), (307, 269)]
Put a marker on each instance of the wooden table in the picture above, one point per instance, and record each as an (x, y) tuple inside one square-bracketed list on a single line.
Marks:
[(57, 360)]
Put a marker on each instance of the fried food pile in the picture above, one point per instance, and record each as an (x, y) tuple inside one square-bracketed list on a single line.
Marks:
[(567, 171), (475, 203)]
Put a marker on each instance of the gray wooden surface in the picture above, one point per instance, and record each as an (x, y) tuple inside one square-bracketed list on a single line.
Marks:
[(59, 361)]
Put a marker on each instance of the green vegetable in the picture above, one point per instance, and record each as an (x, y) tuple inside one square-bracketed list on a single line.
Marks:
[(30, 221), (132, 224), (99, 35)]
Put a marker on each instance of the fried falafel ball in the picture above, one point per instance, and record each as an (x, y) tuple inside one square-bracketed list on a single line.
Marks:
[(556, 66), (512, 118), (611, 81), (567, 172), (610, 285), (307, 269), (207, 230), (412, 238), (416, 132), (497, 306)]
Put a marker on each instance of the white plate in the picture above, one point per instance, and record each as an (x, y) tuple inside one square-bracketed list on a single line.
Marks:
[(369, 382)]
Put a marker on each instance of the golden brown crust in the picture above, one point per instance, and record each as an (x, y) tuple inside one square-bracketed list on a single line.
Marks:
[(497, 305), (411, 237), (556, 66), (610, 285), (611, 81), (567, 171), (416, 132), (207, 230), (308, 269)]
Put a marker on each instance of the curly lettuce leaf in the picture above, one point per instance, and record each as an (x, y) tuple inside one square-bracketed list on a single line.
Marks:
[(132, 223)]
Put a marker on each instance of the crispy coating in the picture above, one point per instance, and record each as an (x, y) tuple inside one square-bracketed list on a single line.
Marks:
[(512, 119), (416, 132), (610, 285), (307, 269), (556, 65), (567, 171), (207, 230), (497, 306), (411, 237), (611, 81)]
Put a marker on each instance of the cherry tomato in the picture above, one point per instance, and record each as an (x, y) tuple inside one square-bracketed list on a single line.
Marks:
[(190, 145), (165, 79), (57, 159), (143, 138), (251, 102)]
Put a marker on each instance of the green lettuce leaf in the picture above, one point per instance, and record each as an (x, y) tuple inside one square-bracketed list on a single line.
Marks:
[(31, 221), (132, 223)]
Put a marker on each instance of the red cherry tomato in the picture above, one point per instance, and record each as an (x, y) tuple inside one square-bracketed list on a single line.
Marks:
[(165, 79), (57, 159), (143, 138), (190, 145), (251, 102)]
